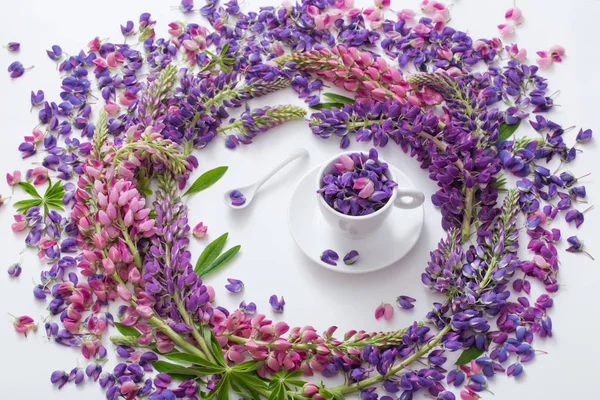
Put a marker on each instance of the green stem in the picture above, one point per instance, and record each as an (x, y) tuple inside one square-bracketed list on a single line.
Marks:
[(130, 244), (344, 389), (188, 320)]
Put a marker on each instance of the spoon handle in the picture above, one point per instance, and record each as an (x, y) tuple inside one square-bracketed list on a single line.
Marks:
[(293, 156)]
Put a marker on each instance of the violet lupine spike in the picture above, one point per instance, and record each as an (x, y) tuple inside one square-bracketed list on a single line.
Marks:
[(168, 271), (258, 120)]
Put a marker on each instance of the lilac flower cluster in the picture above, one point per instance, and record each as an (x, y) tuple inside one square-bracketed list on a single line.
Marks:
[(358, 184)]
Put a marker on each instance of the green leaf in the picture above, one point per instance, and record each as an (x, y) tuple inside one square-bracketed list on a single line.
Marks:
[(176, 369), (505, 130), (191, 358), (469, 354), (327, 105), (206, 179), (222, 388), (127, 330), (24, 205), (210, 253), (224, 49), (339, 98), (248, 366), (29, 188), (221, 261), (54, 191), (278, 393)]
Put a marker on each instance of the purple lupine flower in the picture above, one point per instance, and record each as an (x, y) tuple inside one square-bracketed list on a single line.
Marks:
[(127, 29), (59, 378), (575, 216), (237, 197), (37, 98), (276, 304), (186, 6), (514, 369), (584, 136), (351, 257), (329, 257), (15, 270), (576, 246), (405, 302), (249, 308), (55, 53), (13, 46), (16, 69), (235, 285)]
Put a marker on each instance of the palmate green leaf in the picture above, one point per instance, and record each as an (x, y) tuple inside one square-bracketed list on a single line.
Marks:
[(505, 130), (221, 261), (243, 388), (248, 366), (210, 253), (193, 359), (127, 330), (329, 106), (24, 205), (54, 191), (339, 98), (278, 393), (29, 188), (206, 180)]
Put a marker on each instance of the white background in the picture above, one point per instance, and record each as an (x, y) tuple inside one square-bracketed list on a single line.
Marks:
[(269, 261)]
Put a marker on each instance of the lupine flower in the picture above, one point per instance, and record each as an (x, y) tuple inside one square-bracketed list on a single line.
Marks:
[(576, 246), (351, 257), (329, 257), (249, 308), (575, 216), (14, 178), (384, 310), (200, 230), (16, 69), (127, 29), (514, 14), (584, 136), (405, 302), (15, 270), (276, 304), (237, 197), (13, 46), (234, 285), (24, 324), (55, 53), (59, 378), (506, 30), (186, 6), (515, 53)]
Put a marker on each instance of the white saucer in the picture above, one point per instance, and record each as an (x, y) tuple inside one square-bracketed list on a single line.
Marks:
[(380, 249)]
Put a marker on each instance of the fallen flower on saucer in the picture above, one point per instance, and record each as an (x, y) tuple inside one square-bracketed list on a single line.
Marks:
[(351, 257), (330, 257), (237, 197), (384, 310)]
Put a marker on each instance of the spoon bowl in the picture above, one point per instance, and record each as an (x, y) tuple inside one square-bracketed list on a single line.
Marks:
[(248, 192)]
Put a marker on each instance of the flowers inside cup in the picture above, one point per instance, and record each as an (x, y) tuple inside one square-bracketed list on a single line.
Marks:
[(358, 184)]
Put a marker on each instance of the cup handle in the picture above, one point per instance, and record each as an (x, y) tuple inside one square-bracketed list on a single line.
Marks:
[(409, 198)]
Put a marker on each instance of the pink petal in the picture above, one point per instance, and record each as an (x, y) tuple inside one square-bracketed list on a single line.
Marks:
[(388, 311)]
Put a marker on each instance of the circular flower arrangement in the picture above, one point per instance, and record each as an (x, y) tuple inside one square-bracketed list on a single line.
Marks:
[(124, 232)]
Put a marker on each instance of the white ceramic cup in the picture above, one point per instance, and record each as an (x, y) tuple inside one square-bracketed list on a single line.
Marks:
[(359, 226)]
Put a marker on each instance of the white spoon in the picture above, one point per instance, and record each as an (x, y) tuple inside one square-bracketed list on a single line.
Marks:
[(250, 191)]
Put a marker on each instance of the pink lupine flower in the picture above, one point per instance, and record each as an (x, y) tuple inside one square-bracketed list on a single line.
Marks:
[(506, 30), (517, 54), (467, 394), (372, 13), (482, 47), (24, 324), (176, 29), (37, 136), (384, 310), (544, 60), (111, 108), (200, 230), (38, 174), (382, 3), (514, 14), (406, 14), (94, 44), (14, 178), (557, 52)]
